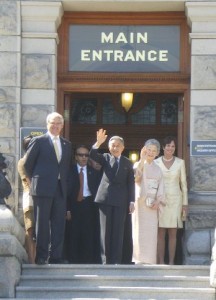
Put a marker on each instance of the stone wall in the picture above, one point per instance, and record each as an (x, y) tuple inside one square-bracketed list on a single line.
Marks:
[(10, 47)]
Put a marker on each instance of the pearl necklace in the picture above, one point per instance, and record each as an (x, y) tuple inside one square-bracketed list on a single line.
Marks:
[(165, 159)]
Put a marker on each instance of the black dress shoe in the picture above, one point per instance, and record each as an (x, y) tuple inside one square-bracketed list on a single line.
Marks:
[(40, 261)]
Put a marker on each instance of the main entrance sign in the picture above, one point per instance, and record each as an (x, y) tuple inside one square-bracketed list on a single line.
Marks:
[(110, 48)]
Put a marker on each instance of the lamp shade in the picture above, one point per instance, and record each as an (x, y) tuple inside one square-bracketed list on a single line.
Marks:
[(127, 100)]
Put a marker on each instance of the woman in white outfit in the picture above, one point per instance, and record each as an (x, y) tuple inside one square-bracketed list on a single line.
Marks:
[(175, 212)]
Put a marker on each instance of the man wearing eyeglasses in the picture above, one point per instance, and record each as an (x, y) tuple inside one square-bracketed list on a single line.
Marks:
[(47, 164), (82, 211)]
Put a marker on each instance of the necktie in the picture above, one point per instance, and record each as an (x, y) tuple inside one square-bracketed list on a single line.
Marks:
[(114, 167), (81, 179), (56, 148)]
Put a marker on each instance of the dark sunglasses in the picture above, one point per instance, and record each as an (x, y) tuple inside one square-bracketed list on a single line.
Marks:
[(82, 155)]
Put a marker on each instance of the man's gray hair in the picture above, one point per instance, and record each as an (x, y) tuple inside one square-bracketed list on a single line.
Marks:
[(54, 115), (118, 138), (153, 142)]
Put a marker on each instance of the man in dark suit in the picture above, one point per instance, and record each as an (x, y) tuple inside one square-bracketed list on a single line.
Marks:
[(82, 211), (47, 164), (115, 195)]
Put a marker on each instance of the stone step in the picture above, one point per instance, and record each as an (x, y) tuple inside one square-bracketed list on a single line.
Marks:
[(122, 282), (143, 293), (102, 280), (130, 270)]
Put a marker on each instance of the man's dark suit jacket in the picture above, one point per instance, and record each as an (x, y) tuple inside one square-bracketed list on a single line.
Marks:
[(43, 168), (93, 178), (114, 195), (119, 189)]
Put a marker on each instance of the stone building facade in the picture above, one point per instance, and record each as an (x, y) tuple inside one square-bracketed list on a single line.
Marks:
[(28, 92)]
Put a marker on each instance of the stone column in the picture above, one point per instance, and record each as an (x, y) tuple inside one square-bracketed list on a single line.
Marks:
[(202, 197), (39, 39), (40, 21), (12, 253)]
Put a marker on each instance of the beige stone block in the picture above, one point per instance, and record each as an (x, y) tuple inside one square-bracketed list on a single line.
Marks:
[(7, 120), (203, 97), (10, 43), (39, 46), (202, 219), (37, 17), (37, 71), (7, 145), (10, 225), (213, 274), (9, 17), (203, 123), (11, 94), (42, 26), (9, 276), (38, 97), (35, 116), (204, 168), (205, 27), (12, 253), (200, 11), (203, 46), (9, 70), (198, 242), (198, 260), (203, 72)]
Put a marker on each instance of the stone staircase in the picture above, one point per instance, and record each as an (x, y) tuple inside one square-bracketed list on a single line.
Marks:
[(111, 282)]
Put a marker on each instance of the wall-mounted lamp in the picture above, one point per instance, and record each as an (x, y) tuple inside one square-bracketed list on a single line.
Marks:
[(127, 100), (134, 156)]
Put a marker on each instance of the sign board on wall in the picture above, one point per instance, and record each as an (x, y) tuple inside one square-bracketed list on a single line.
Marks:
[(203, 148), (111, 48), (34, 131)]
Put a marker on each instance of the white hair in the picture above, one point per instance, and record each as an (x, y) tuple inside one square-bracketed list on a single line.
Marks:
[(153, 142), (116, 137), (54, 115)]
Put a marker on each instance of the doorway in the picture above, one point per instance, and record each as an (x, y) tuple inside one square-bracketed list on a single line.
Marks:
[(151, 116)]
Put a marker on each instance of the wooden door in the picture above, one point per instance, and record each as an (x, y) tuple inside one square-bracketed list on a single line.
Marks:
[(151, 116)]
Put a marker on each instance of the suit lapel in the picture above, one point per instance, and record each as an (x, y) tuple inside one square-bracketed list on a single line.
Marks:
[(51, 146), (63, 148)]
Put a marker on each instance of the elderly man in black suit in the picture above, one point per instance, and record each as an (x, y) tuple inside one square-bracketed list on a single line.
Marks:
[(115, 195), (82, 210), (47, 164)]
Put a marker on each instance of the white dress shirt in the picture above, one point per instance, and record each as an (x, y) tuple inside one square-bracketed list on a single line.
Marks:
[(86, 191), (58, 142)]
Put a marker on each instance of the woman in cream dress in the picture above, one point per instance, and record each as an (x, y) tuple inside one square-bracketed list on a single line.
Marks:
[(27, 203), (149, 190), (170, 219)]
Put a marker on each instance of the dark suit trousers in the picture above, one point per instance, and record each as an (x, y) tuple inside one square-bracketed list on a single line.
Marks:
[(127, 251), (82, 232), (112, 220), (50, 218)]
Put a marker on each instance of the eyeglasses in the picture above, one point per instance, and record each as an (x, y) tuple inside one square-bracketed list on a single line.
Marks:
[(82, 155)]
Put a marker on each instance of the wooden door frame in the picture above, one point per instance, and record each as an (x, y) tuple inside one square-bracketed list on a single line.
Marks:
[(179, 82)]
